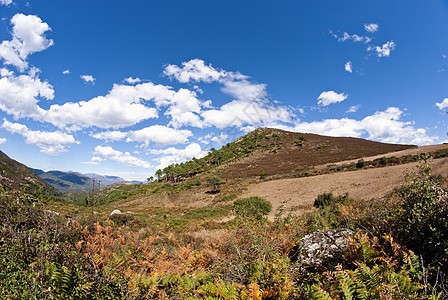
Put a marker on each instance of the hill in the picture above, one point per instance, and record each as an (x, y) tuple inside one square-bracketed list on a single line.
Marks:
[(267, 151), (18, 177), (73, 181)]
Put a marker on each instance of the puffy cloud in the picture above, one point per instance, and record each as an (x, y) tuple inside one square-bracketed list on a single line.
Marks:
[(123, 158), (384, 50), (131, 80), (234, 83), (194, 70), (384, 126), (19, 94), (160, 135), (5, 2), (332, 127), (28, 36), (3, 140), (110, 135), (329, 97), (240, 113), (88, 78), (221, 138), (372, 27), (348, 66), (52, 143), (66, 72), (173, 155), (184, 109), (353, 108), (443, 104), (123, 106), (244, 90), (249, 107)]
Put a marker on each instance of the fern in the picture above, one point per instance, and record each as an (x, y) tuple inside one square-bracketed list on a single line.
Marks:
[(321, 294), (346, 285)]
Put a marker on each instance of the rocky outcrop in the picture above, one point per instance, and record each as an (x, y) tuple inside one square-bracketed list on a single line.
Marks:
[(321, 247)]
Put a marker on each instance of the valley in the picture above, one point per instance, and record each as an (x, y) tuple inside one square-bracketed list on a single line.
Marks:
[(238, 236)]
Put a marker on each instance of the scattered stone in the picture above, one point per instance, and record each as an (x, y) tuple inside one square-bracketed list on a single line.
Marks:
[(321, 247), (52, 212), (115, 212)]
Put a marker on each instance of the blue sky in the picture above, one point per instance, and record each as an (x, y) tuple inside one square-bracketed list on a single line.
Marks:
[(125, 88)]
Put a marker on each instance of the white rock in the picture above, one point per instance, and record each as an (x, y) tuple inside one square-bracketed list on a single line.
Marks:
[(115, 212)]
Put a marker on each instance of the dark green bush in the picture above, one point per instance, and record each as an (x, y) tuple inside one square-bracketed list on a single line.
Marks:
[(422, 222), (252, 207), (327, 199), (360, 164)]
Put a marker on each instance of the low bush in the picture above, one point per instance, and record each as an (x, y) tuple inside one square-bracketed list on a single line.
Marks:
[(327, 199), (252, 207), (422, 221)]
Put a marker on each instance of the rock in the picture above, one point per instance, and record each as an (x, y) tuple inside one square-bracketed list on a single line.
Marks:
[(321, 247), (115, 212)]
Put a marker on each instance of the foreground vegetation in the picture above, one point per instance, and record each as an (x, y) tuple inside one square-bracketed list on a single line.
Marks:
[(399, 250)]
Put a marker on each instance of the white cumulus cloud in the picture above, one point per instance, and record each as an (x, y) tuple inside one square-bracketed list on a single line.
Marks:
[(249, 107), (131, 80), (66, 72), (330, 97), (158, 134), (173, 155), (123, 158), (348, 67), (353, 108), (51, 143), (110, 135), (88, 78), (384, 50), (443, 104), (28, 36), (372, 27), (161, 135), (123, 106), (5, 2), (19, 95), (3, 140), (384, 126), (240, 113)]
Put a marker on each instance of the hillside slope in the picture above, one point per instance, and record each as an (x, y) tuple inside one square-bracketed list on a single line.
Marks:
[(287, 152), (17, 176)]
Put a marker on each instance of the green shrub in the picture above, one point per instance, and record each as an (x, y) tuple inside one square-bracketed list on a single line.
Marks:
[(327, 199), (215, 182), (360, 164), (252, 207), (422, 222)]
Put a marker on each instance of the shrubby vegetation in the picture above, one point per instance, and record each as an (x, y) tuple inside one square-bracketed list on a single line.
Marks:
[(398, 251)]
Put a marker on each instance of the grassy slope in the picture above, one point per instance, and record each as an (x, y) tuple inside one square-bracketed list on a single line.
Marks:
[(17, 176)]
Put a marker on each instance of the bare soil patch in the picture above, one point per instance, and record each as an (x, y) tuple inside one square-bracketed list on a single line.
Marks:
[(298, 194)]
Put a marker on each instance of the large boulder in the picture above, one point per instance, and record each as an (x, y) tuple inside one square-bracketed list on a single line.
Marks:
[(321, 247)]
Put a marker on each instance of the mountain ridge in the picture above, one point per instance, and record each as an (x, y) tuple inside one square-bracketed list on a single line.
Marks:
[(75, 181)]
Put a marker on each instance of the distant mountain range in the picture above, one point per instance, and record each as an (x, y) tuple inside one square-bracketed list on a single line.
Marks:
[(73, 181)]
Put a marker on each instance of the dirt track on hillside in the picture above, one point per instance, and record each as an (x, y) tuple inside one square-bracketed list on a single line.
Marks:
[(298, 194)]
